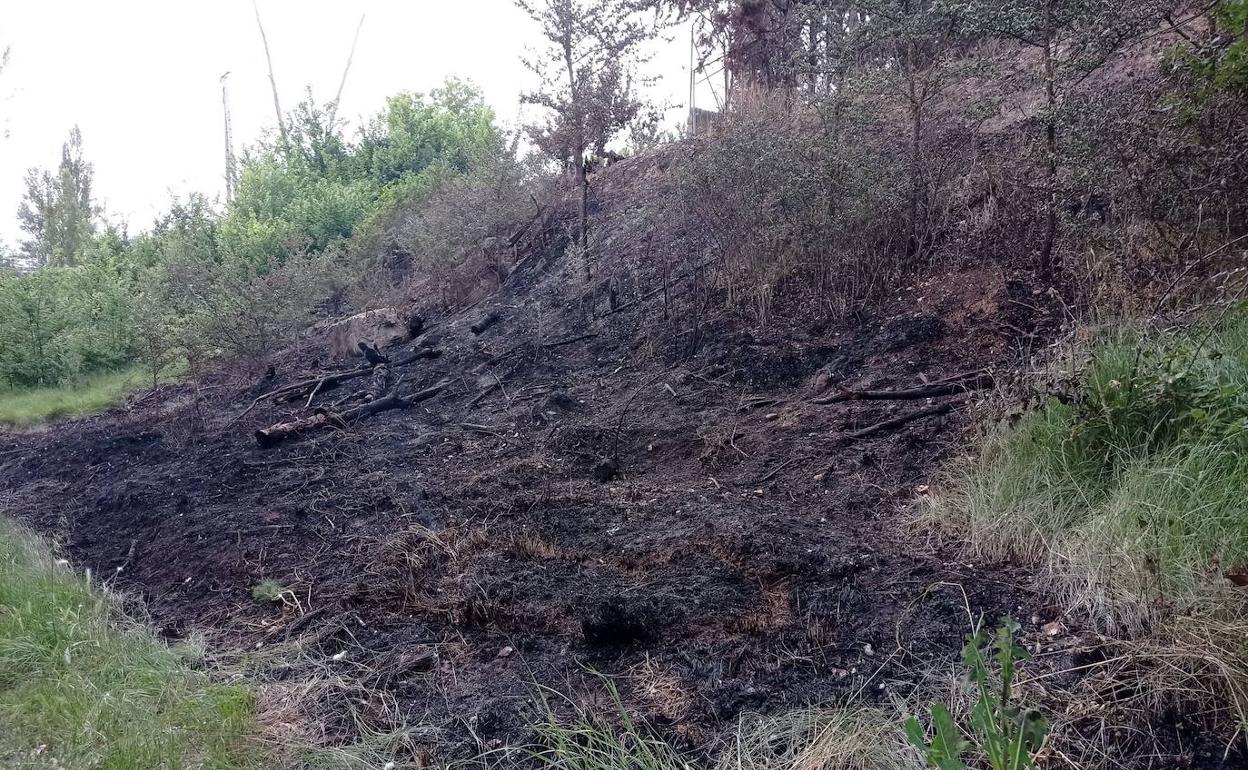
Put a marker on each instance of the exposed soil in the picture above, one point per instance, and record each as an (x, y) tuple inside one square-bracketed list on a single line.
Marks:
[(658, 502)]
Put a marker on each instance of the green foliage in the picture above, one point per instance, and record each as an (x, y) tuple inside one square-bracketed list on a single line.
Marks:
[(452, 126), (1133, 490), (58, 213), (321, 189), (1222, 64), (206, 282), (62, 323), (83, 688), (1003, 733)]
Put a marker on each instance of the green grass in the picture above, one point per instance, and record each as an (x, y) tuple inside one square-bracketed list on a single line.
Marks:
[(1133, 493), (83, 687), (28, 407), (1132, 497), (586, 740)]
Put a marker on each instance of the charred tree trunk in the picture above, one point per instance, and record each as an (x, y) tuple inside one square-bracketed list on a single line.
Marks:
[(578, 150), (1050, 146), (485, 322)]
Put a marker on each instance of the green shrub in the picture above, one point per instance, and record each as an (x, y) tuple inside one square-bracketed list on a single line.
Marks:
[(59, 324)]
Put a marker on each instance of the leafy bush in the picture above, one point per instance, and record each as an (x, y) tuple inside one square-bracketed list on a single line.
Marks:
[(62, 323), (795, 200)]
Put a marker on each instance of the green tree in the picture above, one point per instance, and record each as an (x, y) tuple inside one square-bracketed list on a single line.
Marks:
[(58, 213), (418, 137), (29, 318), (325, 188), (588, 74)]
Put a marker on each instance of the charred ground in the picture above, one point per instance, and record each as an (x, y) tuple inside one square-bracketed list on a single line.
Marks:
[(594, 490)]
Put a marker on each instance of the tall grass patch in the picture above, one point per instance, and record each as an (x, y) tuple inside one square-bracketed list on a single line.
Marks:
[(26, 407), (82, 687), (1131, 488)]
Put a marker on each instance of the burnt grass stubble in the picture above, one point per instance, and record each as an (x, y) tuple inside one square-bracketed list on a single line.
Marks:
[(731, 558)]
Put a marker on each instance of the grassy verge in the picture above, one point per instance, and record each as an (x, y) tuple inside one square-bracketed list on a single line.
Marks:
[(27, 407), (1130, 492), (81, 687), (1133, 491)]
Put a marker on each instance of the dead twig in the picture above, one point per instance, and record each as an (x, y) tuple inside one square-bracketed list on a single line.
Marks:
[(982, 380), (772, 473), (619, 425), (274, 434), (570, 341), (897, 422), (332, 380)]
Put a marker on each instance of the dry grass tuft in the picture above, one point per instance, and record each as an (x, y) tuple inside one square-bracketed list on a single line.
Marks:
[(322, 704), (661, 689), (530, 545), (820, 739)]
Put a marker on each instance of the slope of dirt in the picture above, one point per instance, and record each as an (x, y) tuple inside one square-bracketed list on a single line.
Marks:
[(589, 493)]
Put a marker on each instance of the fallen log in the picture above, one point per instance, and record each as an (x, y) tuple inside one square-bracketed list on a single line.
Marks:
[(423, 353), (275, 434), (570, 340), (979, 381), (279, 432), (331, 380), (897, 422), (485, 322)]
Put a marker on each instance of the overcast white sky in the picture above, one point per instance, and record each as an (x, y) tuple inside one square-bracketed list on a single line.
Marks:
[(141, 78)]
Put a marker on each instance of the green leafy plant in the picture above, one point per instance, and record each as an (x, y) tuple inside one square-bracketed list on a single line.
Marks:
[(269, 590), (1004, 733), (1221, 63)]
